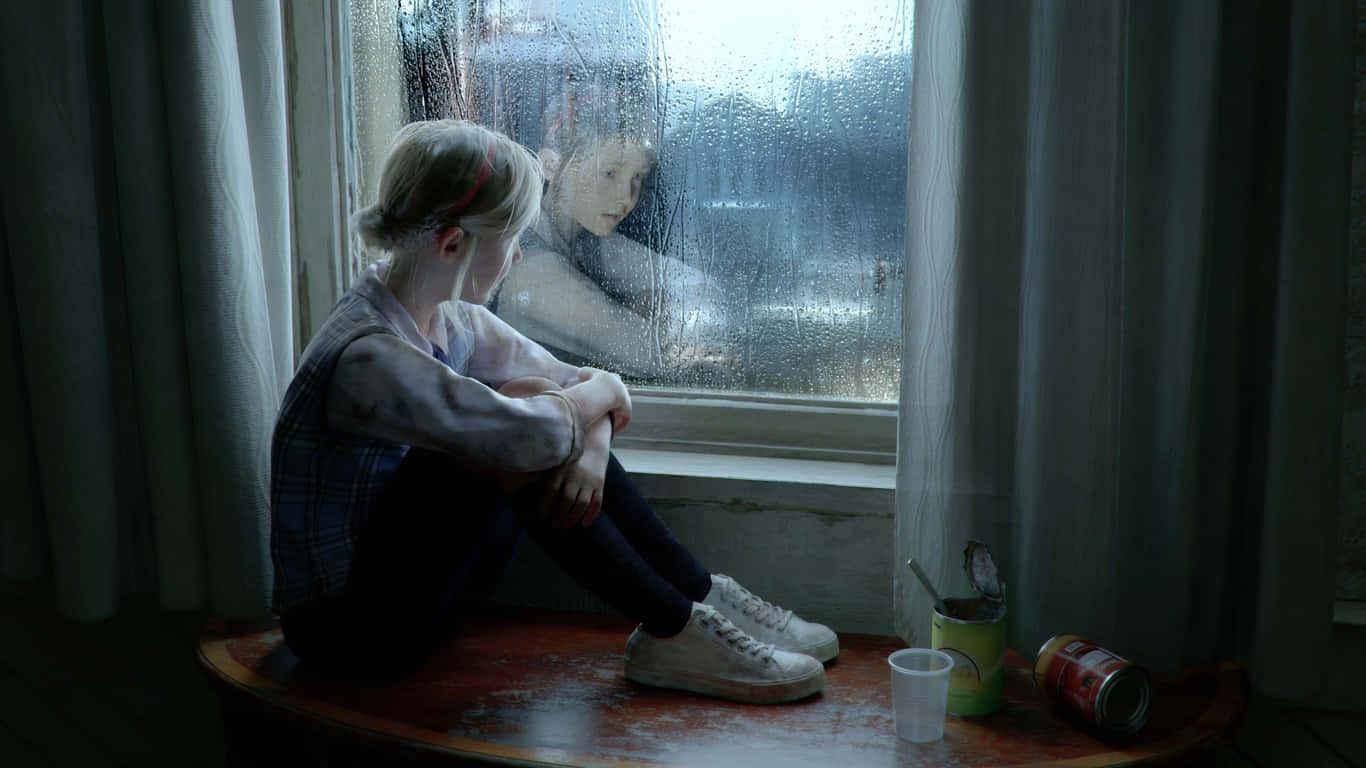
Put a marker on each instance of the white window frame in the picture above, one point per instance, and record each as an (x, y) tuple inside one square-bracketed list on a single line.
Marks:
[(317, 92), (769, 428)]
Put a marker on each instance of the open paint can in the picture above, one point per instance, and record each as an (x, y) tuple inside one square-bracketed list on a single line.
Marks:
[(973, 632)]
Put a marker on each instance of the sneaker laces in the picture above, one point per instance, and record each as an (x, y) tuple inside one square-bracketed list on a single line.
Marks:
[(742, 640), (750, 604)]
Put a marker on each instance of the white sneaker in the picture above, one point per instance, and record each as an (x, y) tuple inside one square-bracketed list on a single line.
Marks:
[(768, 623), (712, 656)]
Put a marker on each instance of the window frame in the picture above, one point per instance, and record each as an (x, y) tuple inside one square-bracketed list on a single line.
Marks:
[(324, 153), (322, 159)]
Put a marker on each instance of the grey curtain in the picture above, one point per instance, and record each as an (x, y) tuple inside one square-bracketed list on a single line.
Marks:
[(1123, 324), (144, 298)]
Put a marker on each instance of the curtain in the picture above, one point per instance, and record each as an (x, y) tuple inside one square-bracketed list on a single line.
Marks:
[(1124, 320), (144, 292)]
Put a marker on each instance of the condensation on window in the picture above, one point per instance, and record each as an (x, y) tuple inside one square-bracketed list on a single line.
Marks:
[(727, 179)]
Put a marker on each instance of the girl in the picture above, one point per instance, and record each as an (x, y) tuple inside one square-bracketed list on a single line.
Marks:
[(584, 290), (421, 435)]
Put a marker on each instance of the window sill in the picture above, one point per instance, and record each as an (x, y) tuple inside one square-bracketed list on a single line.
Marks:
[(737, 426), (846, 488)]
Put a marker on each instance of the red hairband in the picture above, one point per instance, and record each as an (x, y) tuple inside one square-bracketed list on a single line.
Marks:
[(459, 206)]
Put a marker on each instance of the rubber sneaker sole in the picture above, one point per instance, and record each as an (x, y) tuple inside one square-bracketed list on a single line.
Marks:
[(823, 652), (769, 692)]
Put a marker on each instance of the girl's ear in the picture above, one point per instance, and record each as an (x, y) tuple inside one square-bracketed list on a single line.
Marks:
[(550, 162), (448, 243)]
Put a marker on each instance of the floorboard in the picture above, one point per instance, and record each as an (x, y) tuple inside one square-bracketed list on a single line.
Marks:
[(62, 739), (1273, 739), (153, 669), (1342, 733), (128, 687), (1231, 758), (22, 751), (100, 690)]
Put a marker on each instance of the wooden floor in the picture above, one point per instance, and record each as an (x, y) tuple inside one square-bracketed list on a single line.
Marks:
[(121, 692), (128, 692)]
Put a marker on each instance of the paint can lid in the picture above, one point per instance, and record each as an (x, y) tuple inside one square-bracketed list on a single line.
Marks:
[(981, 570)]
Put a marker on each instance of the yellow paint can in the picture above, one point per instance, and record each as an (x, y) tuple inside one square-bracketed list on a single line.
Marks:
[(973, 632)]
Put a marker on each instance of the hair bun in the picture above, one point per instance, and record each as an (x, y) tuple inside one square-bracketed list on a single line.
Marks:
[(374, 227)]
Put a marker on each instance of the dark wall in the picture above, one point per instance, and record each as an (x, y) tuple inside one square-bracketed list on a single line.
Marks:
[(1352, 557)]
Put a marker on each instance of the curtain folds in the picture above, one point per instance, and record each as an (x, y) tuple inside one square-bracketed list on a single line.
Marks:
[(146, 278), (1123, 322)]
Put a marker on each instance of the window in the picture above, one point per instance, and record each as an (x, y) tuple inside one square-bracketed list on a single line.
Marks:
[(752, 265)]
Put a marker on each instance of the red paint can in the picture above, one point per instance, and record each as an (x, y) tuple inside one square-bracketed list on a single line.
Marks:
[(1098, 687)]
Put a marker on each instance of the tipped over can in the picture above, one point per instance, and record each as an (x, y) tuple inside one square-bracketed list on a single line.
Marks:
[(1099, 688)]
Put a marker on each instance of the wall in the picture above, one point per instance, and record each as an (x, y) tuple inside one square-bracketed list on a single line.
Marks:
[(1352, 553), (822, 548)]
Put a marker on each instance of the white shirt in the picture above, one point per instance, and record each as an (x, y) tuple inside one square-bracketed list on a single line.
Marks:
[(393, 387)]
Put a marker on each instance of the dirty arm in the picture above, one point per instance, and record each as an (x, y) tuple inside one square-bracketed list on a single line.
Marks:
[(385, 388)]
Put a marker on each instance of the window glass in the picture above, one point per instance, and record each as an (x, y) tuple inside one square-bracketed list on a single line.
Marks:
[(727, 197)]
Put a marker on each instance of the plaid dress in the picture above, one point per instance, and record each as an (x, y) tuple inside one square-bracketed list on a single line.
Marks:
[(326, 478), (322, 481)]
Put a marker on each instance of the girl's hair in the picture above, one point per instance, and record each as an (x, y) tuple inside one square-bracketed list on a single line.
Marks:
[(584, 115), (442, 173)]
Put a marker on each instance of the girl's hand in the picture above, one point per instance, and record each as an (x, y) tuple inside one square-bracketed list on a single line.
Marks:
[(573, 496), (612, 391)]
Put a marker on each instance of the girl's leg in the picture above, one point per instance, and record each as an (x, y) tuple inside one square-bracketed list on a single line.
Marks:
[(438, 537), (630, 558), (638, 522)]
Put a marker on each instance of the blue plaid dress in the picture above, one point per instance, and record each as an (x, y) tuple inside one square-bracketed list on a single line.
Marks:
[(322, 482)]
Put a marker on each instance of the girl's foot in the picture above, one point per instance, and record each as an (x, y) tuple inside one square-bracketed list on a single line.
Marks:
[(769, 623), (712, 656)]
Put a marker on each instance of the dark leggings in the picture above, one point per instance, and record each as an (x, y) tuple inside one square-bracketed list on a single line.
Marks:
[(441, 536)]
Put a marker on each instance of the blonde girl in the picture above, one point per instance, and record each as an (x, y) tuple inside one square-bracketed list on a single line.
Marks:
[(421, 436)]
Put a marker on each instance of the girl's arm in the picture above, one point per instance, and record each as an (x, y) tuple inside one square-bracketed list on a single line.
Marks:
[(385, 388), (573, 495), (573, 492), (500, 354), (600, 393)]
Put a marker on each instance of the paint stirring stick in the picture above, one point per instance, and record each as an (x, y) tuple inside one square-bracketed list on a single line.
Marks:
[(925, 582)]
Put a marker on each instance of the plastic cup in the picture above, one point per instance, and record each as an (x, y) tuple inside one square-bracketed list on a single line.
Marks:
[(920, 693)]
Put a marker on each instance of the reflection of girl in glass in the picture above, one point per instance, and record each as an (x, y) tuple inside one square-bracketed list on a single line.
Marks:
[(590, 294)]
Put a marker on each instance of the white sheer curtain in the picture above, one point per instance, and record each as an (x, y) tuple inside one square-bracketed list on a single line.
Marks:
[(1123, 324), (144, 297)]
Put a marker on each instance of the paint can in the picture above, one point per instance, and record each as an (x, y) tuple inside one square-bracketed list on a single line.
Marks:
[(973, 632), (1095, 686)]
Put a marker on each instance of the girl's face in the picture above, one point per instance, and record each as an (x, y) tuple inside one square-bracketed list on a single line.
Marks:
[(489, 264), (602, 187)]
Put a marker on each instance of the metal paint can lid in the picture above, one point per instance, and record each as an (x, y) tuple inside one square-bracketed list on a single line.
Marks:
[(981, 570)]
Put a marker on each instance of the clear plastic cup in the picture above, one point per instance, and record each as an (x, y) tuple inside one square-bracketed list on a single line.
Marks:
[(920, 692)]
